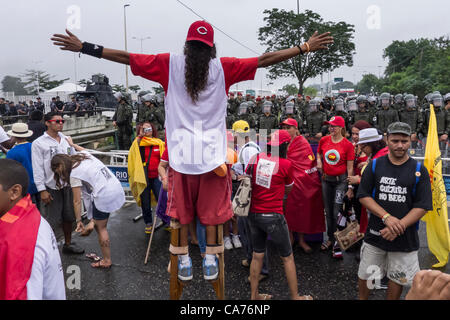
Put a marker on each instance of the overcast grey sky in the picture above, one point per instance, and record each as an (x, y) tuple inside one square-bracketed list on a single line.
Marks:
[(27, 26)]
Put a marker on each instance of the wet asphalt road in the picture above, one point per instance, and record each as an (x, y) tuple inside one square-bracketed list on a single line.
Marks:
[(129, 279)]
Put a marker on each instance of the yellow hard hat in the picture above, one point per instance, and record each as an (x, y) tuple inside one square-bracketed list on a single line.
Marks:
[(241, 126)]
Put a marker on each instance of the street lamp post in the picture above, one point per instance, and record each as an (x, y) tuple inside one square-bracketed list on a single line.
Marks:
[(126, 48), (142, 40)]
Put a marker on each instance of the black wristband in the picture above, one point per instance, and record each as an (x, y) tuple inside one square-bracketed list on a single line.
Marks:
[(92, 49), (301, 51)]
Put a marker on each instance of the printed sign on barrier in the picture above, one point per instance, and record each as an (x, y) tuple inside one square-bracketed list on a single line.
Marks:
[(447, 185), (121, 173)]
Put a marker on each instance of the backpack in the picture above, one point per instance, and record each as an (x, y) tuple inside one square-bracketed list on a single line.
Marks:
[(242, 200), (418, 166)]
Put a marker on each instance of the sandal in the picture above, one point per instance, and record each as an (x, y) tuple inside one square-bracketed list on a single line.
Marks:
[(93, 256), (99, 264), (265, 296), (326, 245)]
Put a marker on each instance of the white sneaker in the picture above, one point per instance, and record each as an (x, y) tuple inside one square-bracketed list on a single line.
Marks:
[(236, 242), (227, 243)]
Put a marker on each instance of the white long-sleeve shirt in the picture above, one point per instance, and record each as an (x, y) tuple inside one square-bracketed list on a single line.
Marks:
[(42, 151), (47, 279)]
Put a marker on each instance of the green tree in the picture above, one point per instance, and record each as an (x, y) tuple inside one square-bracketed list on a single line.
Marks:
[(158, 90), (35, 78), (424, 72), (286, 29), (369, 84), (135, 89), (119, 88), (310, 91), (343, 85), (291, 89), (13, 84)]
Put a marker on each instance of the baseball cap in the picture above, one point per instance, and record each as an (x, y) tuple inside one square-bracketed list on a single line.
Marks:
[(336, 121), (290, 122), (399, 127), (279, 137), (241, 126), (201, 31), (369, 135)]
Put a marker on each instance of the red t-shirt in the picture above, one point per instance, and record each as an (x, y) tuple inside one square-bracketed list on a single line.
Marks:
[(335, 155), (156, 68), (153, 162), (270, 175), (165, 155)]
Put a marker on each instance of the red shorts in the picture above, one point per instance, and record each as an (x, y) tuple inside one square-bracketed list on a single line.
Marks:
[(207, 196)]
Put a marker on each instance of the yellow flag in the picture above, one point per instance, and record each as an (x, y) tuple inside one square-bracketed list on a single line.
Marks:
[(438, 234)]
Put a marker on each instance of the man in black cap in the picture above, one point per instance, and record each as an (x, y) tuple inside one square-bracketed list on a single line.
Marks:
[(39, 105), (396, 190)]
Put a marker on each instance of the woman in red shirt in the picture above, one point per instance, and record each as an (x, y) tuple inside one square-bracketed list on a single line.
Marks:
[(335, 156), (151, 157), (271, 180)]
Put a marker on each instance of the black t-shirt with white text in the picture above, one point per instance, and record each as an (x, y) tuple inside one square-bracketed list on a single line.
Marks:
[(394, 186)]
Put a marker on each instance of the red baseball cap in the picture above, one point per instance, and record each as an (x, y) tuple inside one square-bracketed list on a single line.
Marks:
[(279, 137), (258, 99), (231, 94), (290, 122), (201, 31), (336, 121)]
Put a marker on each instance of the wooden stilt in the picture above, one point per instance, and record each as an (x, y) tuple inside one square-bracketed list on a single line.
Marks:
[(219, 283), (176, 286)]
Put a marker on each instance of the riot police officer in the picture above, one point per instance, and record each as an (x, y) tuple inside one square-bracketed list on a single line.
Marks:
[(231, 118), (411, 115), (314, 120), (447, 101), (398, 102), (258, 108), (234, 104), (363, 111), (244, 114), (386, 115), (352, 109), (140, 109), (153, 114), (289, 112), (442, 119), (123, 120), (339, 110), (267, 120)]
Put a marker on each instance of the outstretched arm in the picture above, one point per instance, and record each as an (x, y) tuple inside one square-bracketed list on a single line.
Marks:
[(71, 42), (315, 43)]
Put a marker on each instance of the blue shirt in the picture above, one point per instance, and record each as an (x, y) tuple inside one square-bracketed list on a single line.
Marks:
[(22, 153)]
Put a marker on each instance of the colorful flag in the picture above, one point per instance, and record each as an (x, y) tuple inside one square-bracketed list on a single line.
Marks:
[(438, 234)]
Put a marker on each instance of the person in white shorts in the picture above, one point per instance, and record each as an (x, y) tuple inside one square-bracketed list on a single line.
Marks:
[(396, 190)]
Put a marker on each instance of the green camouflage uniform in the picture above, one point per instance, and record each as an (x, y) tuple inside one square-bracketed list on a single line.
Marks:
[(385, 117), (124, 120), (268, 122)]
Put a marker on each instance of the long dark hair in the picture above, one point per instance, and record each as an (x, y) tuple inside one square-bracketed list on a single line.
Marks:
[(198, 55), (62, 165), (376, 146), (282, 149)]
